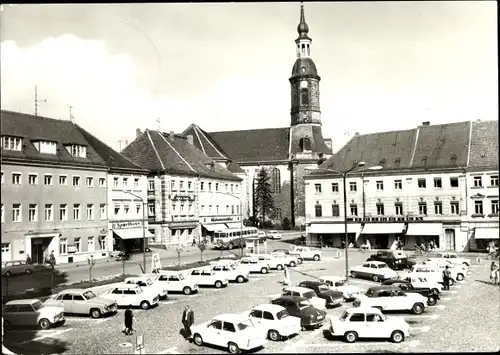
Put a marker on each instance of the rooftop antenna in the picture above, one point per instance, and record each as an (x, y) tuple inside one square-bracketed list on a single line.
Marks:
[(120, 143), (37, 101), (71, 117), (158, 122)]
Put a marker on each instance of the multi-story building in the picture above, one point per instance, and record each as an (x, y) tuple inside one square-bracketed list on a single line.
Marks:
[(185, 187), (417, 194)]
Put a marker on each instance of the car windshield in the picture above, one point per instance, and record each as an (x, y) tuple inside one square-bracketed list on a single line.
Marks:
[(37, 305), (88, 295), (149, 282), (380, 266), (323, 288), (282, 314), (309, 294), (245, 324), (304, 304), (181, 277), (344, 316)]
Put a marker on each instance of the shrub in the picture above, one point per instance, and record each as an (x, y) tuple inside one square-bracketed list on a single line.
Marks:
[(285, 224)]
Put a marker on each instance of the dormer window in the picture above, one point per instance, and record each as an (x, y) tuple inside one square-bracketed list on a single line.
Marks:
[(12, 143), (46, 147), (76, 150)]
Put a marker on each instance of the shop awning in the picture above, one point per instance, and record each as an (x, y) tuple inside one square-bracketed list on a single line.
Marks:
[(132, 233), (486, 233), (323, 228), (214, 227), (424, 229), (233, 225), (383, 228)]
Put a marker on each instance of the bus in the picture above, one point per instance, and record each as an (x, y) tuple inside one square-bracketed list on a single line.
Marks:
[(231, 238)]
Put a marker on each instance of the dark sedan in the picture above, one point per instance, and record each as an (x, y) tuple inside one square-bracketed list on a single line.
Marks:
[(408, 287), (310, 317), (332, 298)]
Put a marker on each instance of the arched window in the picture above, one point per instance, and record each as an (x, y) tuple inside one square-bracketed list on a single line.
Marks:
[(303, 49), (304, 96), (276, 180), (308, 50), (305, 143)]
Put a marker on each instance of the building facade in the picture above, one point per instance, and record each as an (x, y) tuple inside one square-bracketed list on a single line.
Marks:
[(423, 191), (54, 189), (189, 194)]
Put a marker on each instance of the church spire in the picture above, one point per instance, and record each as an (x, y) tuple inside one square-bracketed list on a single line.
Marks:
[(303, 42), (302, 28)]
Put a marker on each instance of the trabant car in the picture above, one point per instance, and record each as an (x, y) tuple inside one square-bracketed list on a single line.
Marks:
[(391, 298), (231, 272), (174, 281), (232, 331), (274, 263), (331, 297), (146, 283), (307, 293), (430, 272), (17, 267), (275, 320), (339, 283), (375, 270), (254, 265), (32, 312), (420, 281), (288, 259), (366, 322), (133, 295), (307, 253), (458, 272), (310, 316), (205, 276), (453, 258), (287, 252), (81, 301), (274, 235)]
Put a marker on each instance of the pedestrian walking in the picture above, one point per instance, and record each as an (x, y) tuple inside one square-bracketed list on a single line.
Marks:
[(52, 258), (187, 321), (494, 273), (286, 277), (129, 321), (28, 260), (194, 242), (446, 278)]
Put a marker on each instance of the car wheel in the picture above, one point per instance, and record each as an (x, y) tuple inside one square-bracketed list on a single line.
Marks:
[(431, 301), (418, 308), (240, 279), (263, 270), (397, 336), (353, 274), (435, 291), (95, 313), (375, 278), (28, 271), (218, 284), (466, 264), (231, 245), (233, 348), (44, 323), (356, 303), (316, 257), (452, 282), (300, 260), (351, 337), (145, 305), (8, 273), (187, 290), (293, 264), (460, 277), (274, 335), (279, 267), (197, 339)]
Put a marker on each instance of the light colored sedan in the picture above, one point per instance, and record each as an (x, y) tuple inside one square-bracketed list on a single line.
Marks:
[(81, 301), (274, 235), (31, 312), (17, 267), (339, 283)]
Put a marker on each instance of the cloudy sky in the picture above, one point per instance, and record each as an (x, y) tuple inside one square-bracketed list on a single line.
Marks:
[(384, 65)]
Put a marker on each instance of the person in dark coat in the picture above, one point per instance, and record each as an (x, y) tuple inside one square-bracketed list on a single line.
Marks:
[(129, 320), (446, 278), (187, 321), (28, 260)]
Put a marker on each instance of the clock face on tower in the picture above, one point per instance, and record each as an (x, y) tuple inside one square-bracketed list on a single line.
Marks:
[(303, 84)]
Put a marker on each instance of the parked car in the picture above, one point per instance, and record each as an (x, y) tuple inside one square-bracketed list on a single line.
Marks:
[(274, 235), (366, 322), (307, 253), (174, 281), (307, 293), (332, 298), (233, 331), (395, 259), (458, 272), (17, 267), (287, 253), (146, 283), (275, 320), (454, 258), (81, 301), (253, 264), (391, 298), (31, 312), (422, 282), (288, 259), (430, 272), (125, 295), (123, 256), (408, 287), (310, 316), (262, 236), (274, 263), (232, 273), (205, 276), (339, 283), (375, 270)]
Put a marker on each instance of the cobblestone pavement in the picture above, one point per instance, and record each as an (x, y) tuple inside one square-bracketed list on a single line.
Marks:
[(466, 319)]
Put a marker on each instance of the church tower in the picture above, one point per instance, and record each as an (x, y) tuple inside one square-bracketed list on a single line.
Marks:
[(306, 138)]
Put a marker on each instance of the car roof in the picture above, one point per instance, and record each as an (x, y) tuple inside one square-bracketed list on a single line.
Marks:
[(124, 285), (24, 301), (230, 317), (374, 262), (363, 310), (384, 288), (308, 282), (269, 307), (297, 289), (393, 281), (293, 298), (332, 278), (76, 290)]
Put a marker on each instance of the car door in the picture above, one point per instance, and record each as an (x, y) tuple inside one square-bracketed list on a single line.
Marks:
[(214, 333), (365, 270), (384, 300), (373, 270), (117, 295), (256, 316), (16, 268), (195, 275), (79, 305), (357, 323), (207, 277), (398, 300), (228, 333), (28, 314), (67, 300), (375, 326), (268, 320)]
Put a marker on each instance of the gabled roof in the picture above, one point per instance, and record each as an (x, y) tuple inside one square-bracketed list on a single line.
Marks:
[(204, 142), (37, 128), (484, 144), (267, 144), (159, 151)]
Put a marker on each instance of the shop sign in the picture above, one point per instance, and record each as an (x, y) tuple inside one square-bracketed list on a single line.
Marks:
[(127, 224), (71, 249), (182, 225), (221, 219), (386, 219)]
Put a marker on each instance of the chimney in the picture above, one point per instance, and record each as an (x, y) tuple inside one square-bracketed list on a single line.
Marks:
[(190, 138), (172, 135), (426, 123), (137, 132), (356, 134)]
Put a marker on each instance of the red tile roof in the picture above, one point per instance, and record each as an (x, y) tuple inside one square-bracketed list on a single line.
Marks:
[(484, 145)]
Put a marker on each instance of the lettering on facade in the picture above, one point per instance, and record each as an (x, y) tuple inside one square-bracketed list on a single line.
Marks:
[(71, 249), (182, 225), (221, 219), (182, 197), (127, 224), (386, 219)]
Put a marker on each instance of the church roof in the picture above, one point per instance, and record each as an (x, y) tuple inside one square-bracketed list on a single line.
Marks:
[(254, 145), (173, 154), (304, 67), (425, 147), (204, 142)]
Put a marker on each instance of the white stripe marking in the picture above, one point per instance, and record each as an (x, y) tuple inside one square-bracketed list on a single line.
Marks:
[(445, 298), (169, 302), (431, 316), (452, 292), (171, 350), (59, 332), (423, 329), (440, 306)]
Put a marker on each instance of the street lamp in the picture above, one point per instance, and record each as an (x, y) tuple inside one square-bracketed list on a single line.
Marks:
[(241, 217), (143, 227), (344, 179)]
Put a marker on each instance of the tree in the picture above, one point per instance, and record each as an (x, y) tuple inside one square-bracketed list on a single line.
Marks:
[(202, 246), (179, 251), (264, 201)]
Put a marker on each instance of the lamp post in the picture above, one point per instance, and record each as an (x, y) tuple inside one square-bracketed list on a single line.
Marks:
[(344, 183), (143, 228), (241, 216)]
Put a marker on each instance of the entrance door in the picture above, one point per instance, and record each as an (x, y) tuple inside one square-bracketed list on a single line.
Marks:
[(449, 239), (37, 250)]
